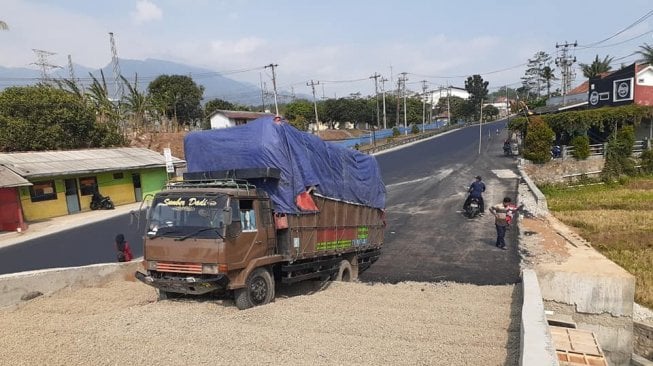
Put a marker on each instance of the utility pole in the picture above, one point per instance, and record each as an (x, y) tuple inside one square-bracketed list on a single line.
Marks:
[(42, 62), (312, 85), (385, 121), (404, 78), (398, 99), (480, 123), (376, 76), (274, 87), (424, 87), (448, 105), (565, 61), (120, 90)]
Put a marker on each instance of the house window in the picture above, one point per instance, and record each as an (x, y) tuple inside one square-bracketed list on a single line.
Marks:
[(43, 191), (87, 185), (118, 175)]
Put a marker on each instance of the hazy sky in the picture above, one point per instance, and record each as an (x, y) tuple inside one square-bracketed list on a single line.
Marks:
[(338, 43)]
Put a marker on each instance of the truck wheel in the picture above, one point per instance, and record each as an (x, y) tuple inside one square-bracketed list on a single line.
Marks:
[(344, 272), (259, 290)]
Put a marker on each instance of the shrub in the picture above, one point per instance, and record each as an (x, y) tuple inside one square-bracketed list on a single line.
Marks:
[(581, 146), (357, 146), (618, 160), (537, 145), (647, 161), (395, 131), (414, 130)]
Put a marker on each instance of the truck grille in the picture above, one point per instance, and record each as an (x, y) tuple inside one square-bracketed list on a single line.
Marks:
[(179, 267)]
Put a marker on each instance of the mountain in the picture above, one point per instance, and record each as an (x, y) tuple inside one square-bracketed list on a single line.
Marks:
[(215, 85)]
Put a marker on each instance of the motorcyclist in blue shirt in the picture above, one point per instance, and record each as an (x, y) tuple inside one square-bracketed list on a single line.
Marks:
[(476, 190)]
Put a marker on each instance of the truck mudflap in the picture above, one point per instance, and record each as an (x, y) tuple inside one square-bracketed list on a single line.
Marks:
[(193, 285)]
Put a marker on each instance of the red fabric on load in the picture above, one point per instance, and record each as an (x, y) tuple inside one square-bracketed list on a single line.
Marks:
[(305, 202)]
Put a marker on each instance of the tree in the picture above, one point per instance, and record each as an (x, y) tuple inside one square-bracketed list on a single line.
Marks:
[(490, 112), (217, 104), (477, 89), (533, 79), (299, 113), (43, 117), (537, 144), (98, 96), (646, 51), (547, 76), (597, 67), (136, 103), (178, 97)]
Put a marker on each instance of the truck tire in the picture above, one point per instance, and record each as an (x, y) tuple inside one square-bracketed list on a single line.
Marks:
[(345, 272), (258, 290)]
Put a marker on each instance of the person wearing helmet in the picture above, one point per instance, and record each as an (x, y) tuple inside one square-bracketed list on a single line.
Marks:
[(476, 190)]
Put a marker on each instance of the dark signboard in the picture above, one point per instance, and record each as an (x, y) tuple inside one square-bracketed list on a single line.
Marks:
[(612, 90)]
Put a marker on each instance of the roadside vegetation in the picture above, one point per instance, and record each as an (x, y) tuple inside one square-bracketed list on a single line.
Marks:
[(617, 219)]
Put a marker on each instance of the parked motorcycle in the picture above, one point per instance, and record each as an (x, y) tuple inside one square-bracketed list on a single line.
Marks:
[(473, 209), (100, 202), (507, 150)]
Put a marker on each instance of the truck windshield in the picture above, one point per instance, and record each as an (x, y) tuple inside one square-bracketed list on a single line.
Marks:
[(187, 215)]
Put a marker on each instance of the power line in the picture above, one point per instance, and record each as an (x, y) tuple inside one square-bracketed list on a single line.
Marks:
[(641, 19)]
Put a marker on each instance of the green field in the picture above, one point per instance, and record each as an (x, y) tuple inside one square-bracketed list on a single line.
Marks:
[(617, 220)]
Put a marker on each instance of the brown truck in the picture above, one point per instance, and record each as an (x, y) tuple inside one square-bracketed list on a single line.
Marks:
[(209, 234)]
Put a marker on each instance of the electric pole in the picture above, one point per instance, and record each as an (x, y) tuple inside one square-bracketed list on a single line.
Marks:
[(480, 123), (42, 62), (262, 91), (274, 87), (403, 79), (376, 76), (424, 87), (385, 121), (312, 85), (565, 61)]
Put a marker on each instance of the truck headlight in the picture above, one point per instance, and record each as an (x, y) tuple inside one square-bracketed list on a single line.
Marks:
[(210, 268), (150, 265)]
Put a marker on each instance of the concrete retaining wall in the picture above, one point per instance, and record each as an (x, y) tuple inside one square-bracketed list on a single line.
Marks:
[(643, 342), (15, 286), (536, 344)]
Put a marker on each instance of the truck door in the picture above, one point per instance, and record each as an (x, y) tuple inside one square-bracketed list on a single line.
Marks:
[(249, 238)]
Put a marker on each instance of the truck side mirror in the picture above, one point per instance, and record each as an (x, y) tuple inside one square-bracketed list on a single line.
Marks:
[(226, 217)]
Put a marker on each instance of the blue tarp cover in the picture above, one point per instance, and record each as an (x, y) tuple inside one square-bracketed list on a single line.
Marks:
[(304, 160)]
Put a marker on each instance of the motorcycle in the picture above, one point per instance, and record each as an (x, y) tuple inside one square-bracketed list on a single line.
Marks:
[(473, 209), (99, 202), (507, 150)]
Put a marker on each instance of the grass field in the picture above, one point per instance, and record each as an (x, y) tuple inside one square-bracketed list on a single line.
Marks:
[(617, 220)]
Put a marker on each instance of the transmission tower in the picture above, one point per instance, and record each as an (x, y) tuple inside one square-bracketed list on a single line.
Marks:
[(565, 60), (71, 71), (42, 62), (120, 90)]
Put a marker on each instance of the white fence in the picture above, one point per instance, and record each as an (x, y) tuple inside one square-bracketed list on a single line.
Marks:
[(600, 149)]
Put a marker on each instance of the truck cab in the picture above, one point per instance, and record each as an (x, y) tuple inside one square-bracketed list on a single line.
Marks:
[(205, 238)]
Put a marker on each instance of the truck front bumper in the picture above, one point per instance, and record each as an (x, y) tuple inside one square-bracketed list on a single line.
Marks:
[(184, 284)]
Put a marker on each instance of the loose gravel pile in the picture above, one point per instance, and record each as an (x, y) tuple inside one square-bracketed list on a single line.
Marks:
[(339, 324)]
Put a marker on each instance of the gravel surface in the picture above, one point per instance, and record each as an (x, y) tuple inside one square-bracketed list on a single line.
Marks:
[(340, 324)]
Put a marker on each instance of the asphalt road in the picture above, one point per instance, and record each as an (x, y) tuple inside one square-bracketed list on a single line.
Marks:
[(87, 244), (427, 238)]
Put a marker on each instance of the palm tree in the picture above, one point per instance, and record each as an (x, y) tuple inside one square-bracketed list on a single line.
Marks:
[(137, 104), (597, 67), (3, 25), (647, 52)]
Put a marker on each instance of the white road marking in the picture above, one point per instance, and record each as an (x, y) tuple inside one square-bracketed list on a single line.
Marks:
[(439, 176), (505, 173)]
